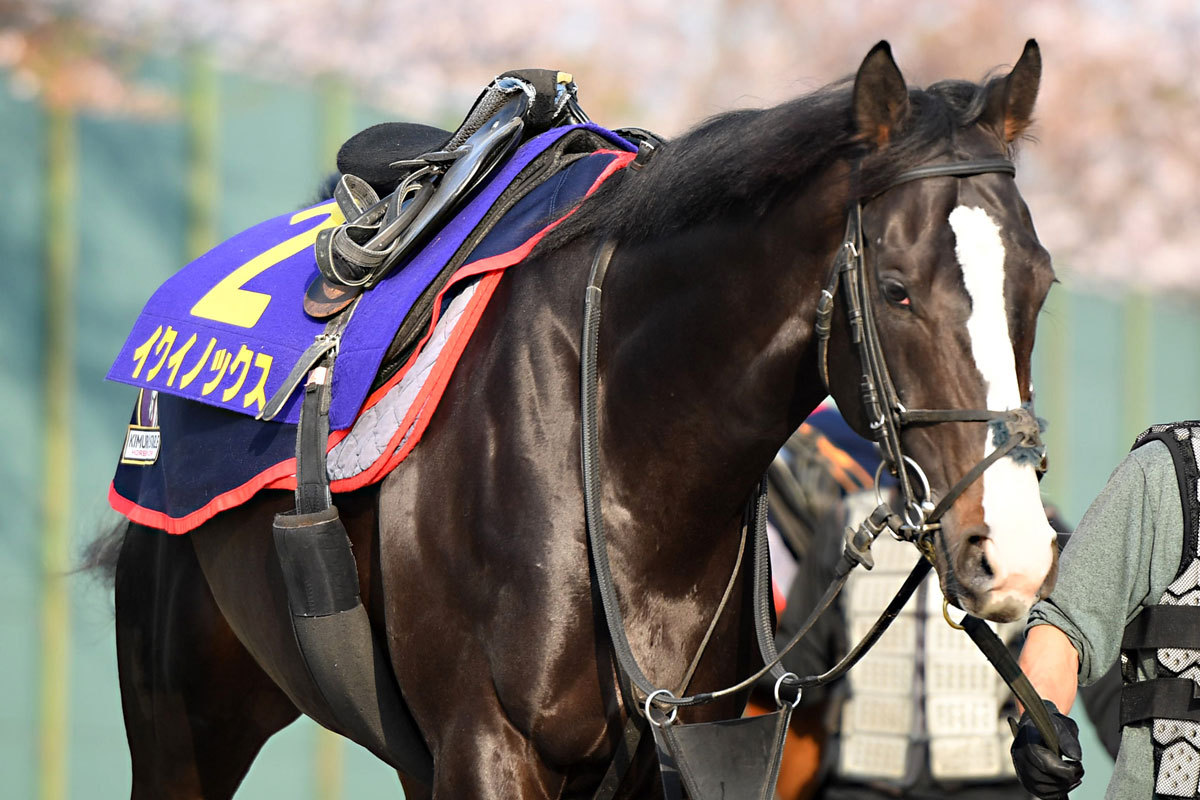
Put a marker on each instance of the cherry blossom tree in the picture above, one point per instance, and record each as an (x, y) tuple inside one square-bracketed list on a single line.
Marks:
[(1110, 180)]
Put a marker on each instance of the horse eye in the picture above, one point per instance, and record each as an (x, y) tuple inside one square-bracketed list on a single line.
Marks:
[(895, 292)]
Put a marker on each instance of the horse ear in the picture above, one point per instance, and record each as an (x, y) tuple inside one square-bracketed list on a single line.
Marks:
[(1010, 99), (880, 96)]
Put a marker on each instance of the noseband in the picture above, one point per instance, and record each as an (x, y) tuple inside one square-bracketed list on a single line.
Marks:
[(1013, 430)]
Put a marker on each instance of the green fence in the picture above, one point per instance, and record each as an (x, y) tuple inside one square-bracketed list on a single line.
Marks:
[(96, 212)]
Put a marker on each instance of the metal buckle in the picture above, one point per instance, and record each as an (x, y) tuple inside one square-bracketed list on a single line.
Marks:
[(778, 683), (650, 699)]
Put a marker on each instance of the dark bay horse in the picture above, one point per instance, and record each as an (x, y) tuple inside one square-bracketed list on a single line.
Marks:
[(472, 555)]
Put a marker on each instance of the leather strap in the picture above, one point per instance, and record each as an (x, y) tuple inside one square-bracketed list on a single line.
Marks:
[(324, 345), (955, 169), (1163, 626), (312, 434), (1160, 698), (304, 365), (927, 416), (972, 475), (622, 759), (1006, 666), (893, 609), (590, 447), (763, 597)]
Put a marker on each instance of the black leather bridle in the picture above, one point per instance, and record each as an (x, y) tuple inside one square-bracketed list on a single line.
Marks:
[(886, 415)]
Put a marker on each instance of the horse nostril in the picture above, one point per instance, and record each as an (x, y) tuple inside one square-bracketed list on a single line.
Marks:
[(975, 570)]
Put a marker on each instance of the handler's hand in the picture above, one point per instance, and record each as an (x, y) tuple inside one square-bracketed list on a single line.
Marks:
[(1042, 773)]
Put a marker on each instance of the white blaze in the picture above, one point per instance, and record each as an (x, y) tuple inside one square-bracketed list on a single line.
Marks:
[(1019, 547)]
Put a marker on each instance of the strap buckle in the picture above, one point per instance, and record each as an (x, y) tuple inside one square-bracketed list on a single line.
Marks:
[(779, 683), (646, 707)]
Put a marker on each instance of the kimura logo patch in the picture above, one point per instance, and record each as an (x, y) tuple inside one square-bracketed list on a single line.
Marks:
[(143, 438)]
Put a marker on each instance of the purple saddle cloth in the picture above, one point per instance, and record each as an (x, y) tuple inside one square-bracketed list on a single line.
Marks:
[(227, 328)]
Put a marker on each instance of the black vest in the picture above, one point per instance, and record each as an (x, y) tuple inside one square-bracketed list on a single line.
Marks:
[(1169, 632)]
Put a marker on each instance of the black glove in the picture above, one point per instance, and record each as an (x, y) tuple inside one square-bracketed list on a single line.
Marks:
[(1042, 773)]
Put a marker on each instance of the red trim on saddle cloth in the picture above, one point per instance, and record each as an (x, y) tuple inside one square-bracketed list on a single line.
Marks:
[(778, 598), (222, 502), (283, 474)]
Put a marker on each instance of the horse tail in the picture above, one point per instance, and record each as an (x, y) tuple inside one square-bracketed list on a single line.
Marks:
[(99, 558)]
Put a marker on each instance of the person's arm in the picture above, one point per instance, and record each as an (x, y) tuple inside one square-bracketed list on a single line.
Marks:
[(1051, 663), (1104, 573), (1076, 632)]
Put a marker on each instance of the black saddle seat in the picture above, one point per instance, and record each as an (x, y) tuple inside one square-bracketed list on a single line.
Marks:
[(370, 154)]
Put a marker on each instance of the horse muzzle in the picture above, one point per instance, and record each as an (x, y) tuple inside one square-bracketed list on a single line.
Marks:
[(1000, 580)]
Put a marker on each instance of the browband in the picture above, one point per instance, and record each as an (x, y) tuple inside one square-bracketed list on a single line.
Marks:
[(956, 169)]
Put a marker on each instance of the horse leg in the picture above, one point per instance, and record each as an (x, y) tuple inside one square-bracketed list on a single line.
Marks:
[(483, 757), (197, 707)]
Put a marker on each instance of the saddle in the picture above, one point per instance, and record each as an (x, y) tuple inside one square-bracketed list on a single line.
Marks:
[(399, 183), (401, 180)]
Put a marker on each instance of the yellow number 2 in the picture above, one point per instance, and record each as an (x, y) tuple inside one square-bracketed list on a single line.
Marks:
[(228, 302)]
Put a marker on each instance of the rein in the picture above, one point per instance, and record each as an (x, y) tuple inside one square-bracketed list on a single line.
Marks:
[(857, 551), (889, 416), (598, 544)]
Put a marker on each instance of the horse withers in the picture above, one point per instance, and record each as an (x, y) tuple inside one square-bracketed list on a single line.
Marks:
[(472, 555)]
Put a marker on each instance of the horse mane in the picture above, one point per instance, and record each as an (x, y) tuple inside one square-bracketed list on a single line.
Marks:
[(743, 161)]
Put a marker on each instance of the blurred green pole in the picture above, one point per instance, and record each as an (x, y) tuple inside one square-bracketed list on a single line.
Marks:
[(1137, 364), (58, 388), (1054, 393), (202, 115), (335, 113), (328, 767)]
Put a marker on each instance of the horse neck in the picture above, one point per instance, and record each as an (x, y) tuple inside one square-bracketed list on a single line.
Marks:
[(708, 364)]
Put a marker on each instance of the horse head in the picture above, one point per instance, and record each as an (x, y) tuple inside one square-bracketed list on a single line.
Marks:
[(953, 279)]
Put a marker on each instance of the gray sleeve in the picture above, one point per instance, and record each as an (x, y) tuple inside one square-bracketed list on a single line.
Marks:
[(1105, 570)]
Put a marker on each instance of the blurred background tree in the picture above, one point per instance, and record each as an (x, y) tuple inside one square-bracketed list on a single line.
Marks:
[(1109, 183)]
